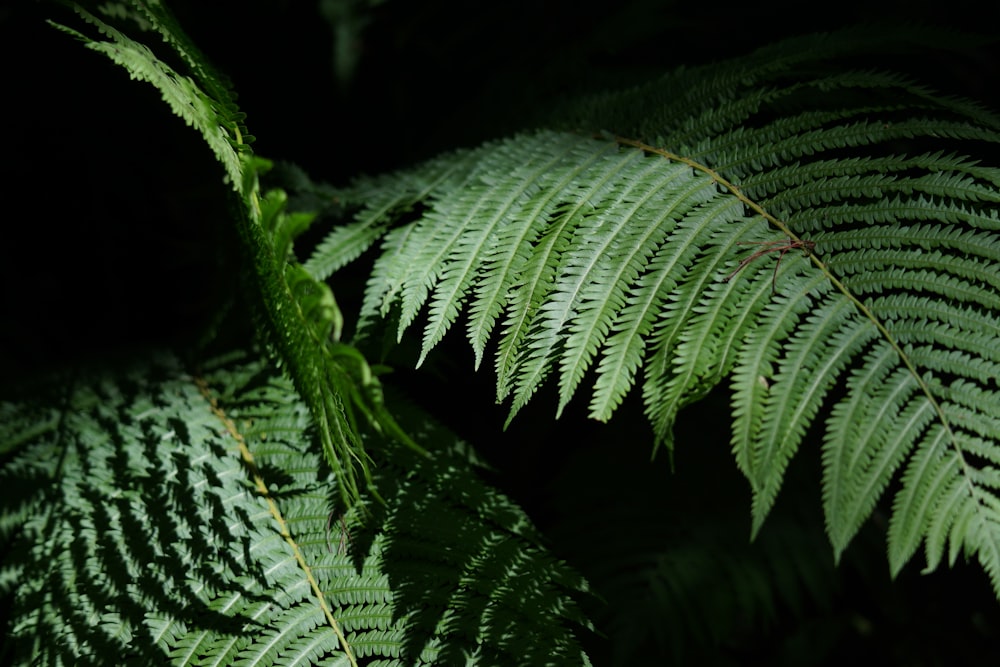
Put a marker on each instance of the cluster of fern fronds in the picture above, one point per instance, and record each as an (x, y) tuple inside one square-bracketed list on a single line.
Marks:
[(820, 240)]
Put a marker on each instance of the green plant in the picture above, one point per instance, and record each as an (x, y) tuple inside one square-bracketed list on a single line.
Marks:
[(324, 522)]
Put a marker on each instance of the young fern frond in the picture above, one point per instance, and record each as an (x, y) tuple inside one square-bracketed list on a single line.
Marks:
[(605, 257)]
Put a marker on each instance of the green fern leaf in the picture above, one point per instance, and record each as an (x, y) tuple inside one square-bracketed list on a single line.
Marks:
[(624, 260), (165, 517), (299, 316), (204, 103)]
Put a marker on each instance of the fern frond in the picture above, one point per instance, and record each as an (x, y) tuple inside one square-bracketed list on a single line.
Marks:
[(619, 257), (161, 531), (205, 103), (299, 315)]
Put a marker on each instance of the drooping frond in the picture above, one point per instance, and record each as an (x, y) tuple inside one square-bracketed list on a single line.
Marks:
[(203, 99), (826, 239), (165, 518), (299, 315)]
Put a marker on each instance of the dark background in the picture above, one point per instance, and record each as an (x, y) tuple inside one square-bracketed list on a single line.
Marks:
[(117, 238)]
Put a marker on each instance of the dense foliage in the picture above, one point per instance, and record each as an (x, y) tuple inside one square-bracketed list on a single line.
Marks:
[(788, 256)]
